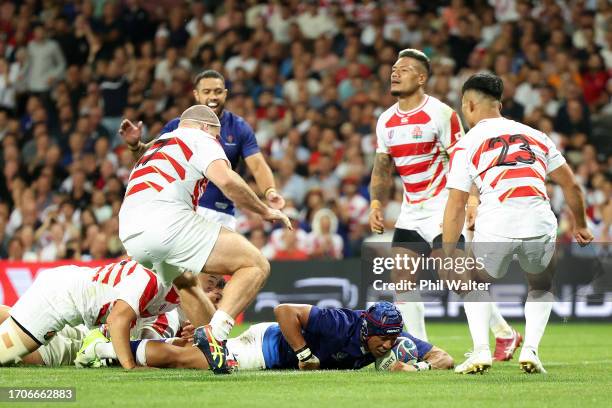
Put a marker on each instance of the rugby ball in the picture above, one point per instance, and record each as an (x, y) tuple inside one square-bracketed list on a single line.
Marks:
[(404, 351)]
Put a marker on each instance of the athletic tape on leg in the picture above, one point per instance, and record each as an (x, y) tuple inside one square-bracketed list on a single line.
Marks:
[(11, 346)]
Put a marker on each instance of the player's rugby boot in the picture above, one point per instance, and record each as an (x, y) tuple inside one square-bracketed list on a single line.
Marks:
[(86, 357), (530, 362), (477, 362), (214, 350), (505, 348)]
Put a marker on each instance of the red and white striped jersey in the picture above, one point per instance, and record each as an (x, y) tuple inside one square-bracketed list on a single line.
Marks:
[(508, 161), (420, 142), (170, 176), (134, 284)]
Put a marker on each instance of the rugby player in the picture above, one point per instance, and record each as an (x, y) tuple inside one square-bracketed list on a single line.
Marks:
[(508, 162), (116, 294), (416, 136), (307, 338), (159, 227)]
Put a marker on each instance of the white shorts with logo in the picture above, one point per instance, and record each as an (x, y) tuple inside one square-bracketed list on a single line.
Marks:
[(425, 218), (248, 347), (63, 348), (226, 220), (533, 254), (171, 247)]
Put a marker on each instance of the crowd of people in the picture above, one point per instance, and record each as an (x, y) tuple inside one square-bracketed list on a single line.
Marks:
[(311, 79)]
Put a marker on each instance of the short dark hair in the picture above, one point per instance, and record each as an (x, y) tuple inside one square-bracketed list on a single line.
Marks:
[(209, 73), (488, 84), (417, 55)]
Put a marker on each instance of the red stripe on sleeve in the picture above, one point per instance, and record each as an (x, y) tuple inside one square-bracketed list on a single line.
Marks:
[(149, 292)]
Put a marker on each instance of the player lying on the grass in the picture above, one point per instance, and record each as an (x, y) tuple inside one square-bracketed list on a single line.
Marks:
[(62, 349), (115, 294), (305, 337)]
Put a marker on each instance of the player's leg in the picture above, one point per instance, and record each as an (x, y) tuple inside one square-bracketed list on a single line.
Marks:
[(247, 348), (15, 343), (161, 354), (409, 243), (536, 258), (234, 255), (507, 339)]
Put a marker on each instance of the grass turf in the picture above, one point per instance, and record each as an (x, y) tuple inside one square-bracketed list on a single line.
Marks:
[(578, 358)]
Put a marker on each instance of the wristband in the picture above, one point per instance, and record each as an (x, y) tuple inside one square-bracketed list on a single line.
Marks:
[(303, 354), (268, 191), (375, 205), (422, 366)]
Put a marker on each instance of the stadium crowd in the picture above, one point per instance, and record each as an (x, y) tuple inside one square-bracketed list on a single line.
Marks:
[(310, 78)]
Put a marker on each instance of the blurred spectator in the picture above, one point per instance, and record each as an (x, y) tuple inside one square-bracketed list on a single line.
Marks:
[(46, 62)]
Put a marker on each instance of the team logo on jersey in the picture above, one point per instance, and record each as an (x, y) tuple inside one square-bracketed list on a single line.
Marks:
[(404, 120), (339, 356), (230, 138), (417, 132), (230, 141), (48, 335)]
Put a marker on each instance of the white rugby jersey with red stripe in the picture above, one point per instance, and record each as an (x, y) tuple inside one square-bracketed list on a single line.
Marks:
[(419, 141), (508, 161), (134, 284), (169, 177)]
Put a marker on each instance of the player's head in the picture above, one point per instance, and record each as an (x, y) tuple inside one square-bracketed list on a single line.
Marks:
[(209, 89), (201, 117), (481, 95), (409, 73), (382, 323)]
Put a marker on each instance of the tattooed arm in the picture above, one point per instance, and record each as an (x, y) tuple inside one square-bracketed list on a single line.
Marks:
[(380, 188)]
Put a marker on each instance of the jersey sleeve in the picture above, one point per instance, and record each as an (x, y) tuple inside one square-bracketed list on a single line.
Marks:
[(209, 150), (450, 128), (249, 142), (170, 126), (328, 322), (459, 174), (139, 289), (554, 158), (381, 147)]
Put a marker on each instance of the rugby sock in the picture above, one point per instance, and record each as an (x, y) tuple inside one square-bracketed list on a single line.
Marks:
[(105, 350), (537, 311), (221, 325), (478, 313), (413, 312), (500, 328)]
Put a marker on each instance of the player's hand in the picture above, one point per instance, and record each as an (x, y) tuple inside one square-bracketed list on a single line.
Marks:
[(130, 133), (275, 200), (277, 215), (377, 221), (312, 363), (187, 331), (583, 236), (470, 217)]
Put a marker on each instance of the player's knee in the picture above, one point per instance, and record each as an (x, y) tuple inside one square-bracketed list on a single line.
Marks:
[(264, 265), (12, 346)]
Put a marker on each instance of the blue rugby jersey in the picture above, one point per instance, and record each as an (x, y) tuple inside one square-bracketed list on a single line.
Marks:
[(333, 335), (237, 140)]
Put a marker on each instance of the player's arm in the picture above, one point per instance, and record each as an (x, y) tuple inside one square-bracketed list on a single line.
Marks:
[(380, 188), (119, 321), (131, 134), (574, 198), (292, 319), (264, 179), (454, 218), (471, 207), (237, 190), (439, 359)]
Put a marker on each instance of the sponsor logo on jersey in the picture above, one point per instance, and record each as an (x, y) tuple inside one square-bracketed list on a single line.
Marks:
[(391, 134), (230, 141)]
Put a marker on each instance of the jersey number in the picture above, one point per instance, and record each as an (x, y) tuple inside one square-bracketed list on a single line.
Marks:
[(525, 156)]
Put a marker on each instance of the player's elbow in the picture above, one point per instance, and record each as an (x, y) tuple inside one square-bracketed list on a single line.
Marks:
[(446, 362), (439, 359)]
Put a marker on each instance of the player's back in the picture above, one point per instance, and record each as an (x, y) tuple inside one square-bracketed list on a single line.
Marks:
[(168, 179), (508, 161)]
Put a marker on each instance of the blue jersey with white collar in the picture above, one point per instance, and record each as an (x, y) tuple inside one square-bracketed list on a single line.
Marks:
[(333, 335), (237, 140)]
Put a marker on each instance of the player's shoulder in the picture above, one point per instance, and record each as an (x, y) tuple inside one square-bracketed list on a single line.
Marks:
[(436, 107), (389, 113), (236, 123), (171, 126)]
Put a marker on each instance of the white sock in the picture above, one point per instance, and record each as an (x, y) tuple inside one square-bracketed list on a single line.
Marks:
[(105, 350), (478, 313), (141, 353), (413, 313), (221, 324), (499, 326), (537, 311)]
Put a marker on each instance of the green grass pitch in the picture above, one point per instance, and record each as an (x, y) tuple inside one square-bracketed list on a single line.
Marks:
[(578, 357)]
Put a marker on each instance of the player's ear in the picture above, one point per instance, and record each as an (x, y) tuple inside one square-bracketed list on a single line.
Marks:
[(195, 94)]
